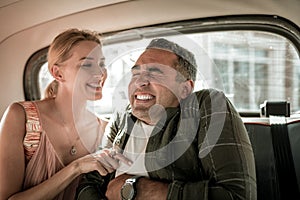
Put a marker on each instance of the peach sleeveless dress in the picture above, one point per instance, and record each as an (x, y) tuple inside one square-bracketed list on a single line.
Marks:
[(42, 161)]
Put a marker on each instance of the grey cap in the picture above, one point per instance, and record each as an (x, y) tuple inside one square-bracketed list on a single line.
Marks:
[(161, 43)]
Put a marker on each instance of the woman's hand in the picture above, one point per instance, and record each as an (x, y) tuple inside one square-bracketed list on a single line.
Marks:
[(104, 161)]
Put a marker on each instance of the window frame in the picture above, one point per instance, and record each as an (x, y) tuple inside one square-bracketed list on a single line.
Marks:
[(268, 23)]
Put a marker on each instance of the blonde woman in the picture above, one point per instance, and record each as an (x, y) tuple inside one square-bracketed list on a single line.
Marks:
[(46, 145)]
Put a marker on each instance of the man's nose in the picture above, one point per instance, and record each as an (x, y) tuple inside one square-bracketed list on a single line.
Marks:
[(142, 80)]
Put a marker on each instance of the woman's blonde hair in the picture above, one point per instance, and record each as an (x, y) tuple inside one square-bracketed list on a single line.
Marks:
[(59, 51)]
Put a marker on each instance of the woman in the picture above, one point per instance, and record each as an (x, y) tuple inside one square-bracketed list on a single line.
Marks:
[(45, 145)]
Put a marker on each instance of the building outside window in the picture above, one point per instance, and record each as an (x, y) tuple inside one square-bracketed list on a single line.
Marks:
[(249, 66)]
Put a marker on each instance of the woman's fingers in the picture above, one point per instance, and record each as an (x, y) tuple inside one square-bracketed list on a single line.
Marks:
[(119, 156), (105, 157), (107, 160), (93, 162), (122, 158), (104, 170), (112, 157)]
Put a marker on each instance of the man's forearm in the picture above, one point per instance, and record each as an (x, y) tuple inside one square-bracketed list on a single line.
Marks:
[(146, 188), (151, 189)]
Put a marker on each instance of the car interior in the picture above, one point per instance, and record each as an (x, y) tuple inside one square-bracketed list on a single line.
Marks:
[(248, 49)]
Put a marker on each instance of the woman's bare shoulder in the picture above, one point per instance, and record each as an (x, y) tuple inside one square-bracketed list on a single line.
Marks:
[(13, 121), (14, 110)]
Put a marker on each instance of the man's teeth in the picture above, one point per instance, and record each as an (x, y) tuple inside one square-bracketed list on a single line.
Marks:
[(144, 97)]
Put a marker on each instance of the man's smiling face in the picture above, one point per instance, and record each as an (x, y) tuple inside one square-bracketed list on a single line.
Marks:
[(153, 82)]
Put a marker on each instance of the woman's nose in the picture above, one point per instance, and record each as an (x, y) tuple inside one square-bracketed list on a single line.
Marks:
[(100, 71)]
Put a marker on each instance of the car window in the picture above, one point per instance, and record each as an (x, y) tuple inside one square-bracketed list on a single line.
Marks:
[(250, 66)]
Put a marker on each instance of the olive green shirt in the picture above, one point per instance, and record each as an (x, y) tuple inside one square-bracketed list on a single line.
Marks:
[(201, 149)]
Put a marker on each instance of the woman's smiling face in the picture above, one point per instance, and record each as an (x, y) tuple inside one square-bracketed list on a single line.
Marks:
[(85, 72)]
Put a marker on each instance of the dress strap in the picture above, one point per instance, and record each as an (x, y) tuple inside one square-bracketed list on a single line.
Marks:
[(33, 129)]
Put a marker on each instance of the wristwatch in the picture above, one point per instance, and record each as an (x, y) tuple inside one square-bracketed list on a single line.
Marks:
[(128, 190)]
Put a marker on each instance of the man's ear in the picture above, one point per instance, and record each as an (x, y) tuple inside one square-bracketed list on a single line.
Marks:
[(57, 73), (187, 88)]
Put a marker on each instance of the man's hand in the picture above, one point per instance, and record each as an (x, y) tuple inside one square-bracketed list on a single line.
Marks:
[(146, 188)]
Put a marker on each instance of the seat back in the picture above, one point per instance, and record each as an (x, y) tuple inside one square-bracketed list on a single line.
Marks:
[(275, 158), (294, 136), (266, 173)]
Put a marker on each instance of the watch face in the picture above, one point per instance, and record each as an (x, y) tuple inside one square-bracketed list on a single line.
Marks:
[(127, 191)]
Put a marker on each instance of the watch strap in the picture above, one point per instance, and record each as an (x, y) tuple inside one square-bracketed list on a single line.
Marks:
[(133, 179)]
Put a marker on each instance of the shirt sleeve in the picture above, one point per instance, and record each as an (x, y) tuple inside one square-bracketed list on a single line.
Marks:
[(110, 132)]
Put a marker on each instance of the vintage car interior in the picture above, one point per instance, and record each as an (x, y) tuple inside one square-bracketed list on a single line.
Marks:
[(248, 49)]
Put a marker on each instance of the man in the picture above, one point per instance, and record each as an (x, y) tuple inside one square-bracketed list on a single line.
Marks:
[(182, 145)]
